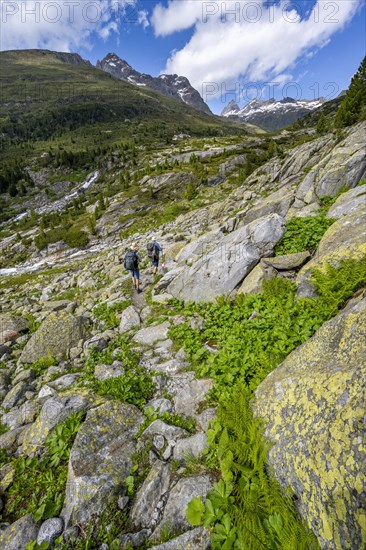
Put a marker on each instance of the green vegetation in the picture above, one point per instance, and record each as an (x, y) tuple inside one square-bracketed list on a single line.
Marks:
[(40, 366), (246, 508), (353, 106), (108, 314), (72, 236), (303, 234), (135, 386), (39, 484)]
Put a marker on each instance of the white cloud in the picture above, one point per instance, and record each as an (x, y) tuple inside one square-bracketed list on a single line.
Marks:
[(64, 25), (248, 40)]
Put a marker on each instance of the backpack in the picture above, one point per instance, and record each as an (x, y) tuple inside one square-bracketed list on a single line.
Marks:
[(151, 251), (131, 261)]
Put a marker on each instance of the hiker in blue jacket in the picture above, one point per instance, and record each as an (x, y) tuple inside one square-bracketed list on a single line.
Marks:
[(153, 251)]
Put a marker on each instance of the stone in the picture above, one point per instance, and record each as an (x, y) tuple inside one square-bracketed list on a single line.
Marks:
[(188, 392), (148, 336), (313, 406), (58, 333), (50, 530), (56, 305), (18, 416), (13, 323), (15, 396), (136, 540), (46, 391), (26, 375), (199, 247), (170, 367), (103, 372), (98, 342), (205, 417), (65, 381), (278, 202), (190, 447), (100, 460), (160, 405), (54, 411), (8, 336), (252, 283), (150, 493), (129, 319), (288, 261), (196, 539), (169, 432), (223, 268), (180, 495), (8, 439), (344, 240), (348, 202), (19, 534)]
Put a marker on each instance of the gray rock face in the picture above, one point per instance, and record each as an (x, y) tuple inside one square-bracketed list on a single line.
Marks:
[(129, 319), (278, 202), (50, 530), (223, 268), (288, 261), (188, 391), (103, 372), (100, 460), (19, 416), (18, 534), (151, 334), (348, 202), (179, 497), (15, 396), (54, 411), (344, 165), (158, 427), (196, 539), (145, 510), (58, 333), (190, 447)]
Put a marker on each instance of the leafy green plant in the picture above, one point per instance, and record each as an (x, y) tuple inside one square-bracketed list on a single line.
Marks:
[(246, 508), (303, 234), (135, 386), (39, 484), (107, 314), (42, 364)]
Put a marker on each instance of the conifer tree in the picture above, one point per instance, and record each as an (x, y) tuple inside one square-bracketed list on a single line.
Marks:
[(352, 107), (322, 125)]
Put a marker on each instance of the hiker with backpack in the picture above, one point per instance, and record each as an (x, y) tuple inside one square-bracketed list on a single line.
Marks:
[(153, 251), (131, 263)]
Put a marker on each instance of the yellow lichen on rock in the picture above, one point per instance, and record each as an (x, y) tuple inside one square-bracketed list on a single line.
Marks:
[(314, 406)]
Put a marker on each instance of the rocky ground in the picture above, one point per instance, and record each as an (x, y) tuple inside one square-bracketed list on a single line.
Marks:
[(142, 457)]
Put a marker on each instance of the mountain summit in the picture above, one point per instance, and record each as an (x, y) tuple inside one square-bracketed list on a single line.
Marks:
[(272, 115), (177, 87)]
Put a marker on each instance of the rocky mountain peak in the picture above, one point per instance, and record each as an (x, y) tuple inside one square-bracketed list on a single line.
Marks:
[(175, 86)]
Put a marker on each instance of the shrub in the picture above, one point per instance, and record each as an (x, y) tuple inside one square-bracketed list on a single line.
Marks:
[(303, 234)]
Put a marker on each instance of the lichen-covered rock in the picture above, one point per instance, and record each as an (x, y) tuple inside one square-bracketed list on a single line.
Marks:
[(100, 460), (278, 202), (181, 494), (196, 539), (314, 407), (344, 240), (288, 261), (252, 284), (15, 396), (58, 333), (18, 534), (145, 510), (188, 392), (54, 411)]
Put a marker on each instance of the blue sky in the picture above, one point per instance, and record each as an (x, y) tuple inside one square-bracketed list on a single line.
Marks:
[(229, 50)]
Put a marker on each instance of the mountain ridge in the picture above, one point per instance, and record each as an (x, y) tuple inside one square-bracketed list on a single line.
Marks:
[(175, 86)]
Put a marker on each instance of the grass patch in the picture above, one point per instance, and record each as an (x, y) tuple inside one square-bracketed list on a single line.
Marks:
[(108, 314)]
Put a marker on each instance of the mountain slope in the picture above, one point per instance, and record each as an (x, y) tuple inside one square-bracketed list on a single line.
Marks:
[(177, 87), (271, 115), (52, 96)]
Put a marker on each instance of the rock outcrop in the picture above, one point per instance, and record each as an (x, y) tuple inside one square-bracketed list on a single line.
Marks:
[(313, 407)]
